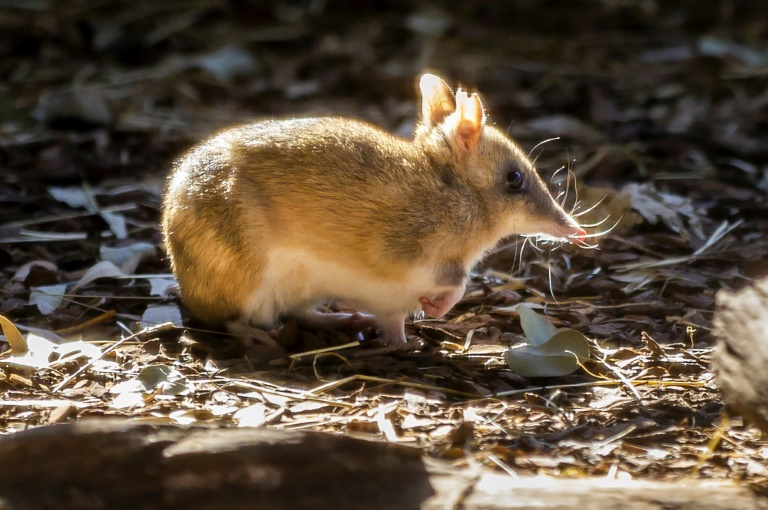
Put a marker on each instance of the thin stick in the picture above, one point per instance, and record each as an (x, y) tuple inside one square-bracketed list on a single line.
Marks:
[(689, 384), (96, 320), (334, 384)]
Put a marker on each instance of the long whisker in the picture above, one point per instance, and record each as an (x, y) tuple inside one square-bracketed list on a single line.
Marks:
[(591, 208), (585, 246), (554, 174), (514, 259), (567, 189), (551, 288), (561, 193), (535, 243), (522, 249), (539, 145), (593, 225), (570, 181), (606, 231)]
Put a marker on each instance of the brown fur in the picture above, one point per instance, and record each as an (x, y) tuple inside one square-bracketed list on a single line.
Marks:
[(348, 193)]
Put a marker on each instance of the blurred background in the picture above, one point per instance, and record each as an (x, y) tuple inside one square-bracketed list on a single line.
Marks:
[(89, 88)]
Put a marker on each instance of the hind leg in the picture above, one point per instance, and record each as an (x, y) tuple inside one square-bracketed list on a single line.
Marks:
[(247, 333), (256, 319), (391, 327)]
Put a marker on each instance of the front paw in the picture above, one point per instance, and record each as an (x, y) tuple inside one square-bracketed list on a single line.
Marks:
[(438, 305)]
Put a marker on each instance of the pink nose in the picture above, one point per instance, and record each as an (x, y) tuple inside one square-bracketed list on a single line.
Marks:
[(573, 233), (578, 236)]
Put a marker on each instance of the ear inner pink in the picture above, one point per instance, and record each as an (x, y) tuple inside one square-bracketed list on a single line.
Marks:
[(471, 119)]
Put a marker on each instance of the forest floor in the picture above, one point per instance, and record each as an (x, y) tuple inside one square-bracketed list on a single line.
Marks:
[(659, 112)]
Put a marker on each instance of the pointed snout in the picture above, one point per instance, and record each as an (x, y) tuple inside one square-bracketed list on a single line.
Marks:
[(557, 223), (540, 214), (571, 231)]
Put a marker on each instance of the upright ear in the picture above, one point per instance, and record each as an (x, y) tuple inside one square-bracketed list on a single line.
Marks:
[(470, 120), (437, 101)]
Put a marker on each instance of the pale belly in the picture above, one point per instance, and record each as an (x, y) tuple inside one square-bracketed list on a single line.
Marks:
[(295, 281)]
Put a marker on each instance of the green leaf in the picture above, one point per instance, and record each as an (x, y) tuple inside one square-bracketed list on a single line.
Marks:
[(167, 379), (530, 364), (548, 352), (568, 341), (153, 376), (536, 327), (560, 355)]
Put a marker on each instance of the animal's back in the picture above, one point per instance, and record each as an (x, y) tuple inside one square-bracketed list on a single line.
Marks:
[(320, 186)]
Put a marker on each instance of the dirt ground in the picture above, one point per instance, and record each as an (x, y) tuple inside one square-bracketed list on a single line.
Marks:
[(659, 109)]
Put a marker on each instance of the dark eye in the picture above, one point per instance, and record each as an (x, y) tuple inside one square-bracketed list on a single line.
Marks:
[(514, 180)]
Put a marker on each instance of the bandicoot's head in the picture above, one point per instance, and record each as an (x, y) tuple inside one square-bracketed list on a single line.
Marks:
[(453, 129)]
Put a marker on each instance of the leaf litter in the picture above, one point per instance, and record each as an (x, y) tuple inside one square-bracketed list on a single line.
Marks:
[(548, 352), (671, 172)]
